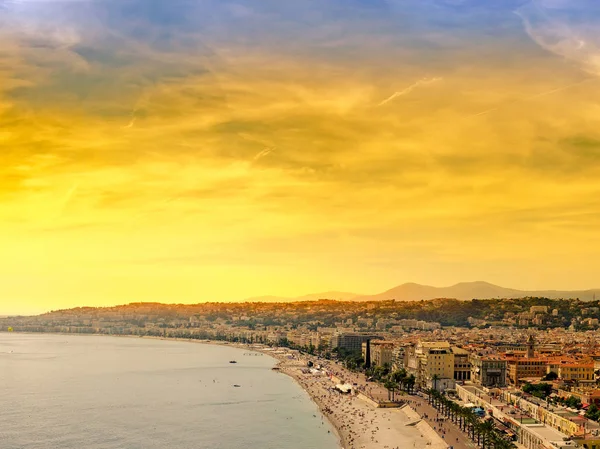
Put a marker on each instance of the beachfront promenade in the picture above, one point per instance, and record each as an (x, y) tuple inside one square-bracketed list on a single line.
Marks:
[(445, 429), (362, 425)]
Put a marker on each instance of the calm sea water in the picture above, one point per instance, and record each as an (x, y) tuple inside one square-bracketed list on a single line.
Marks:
[(81, 392)]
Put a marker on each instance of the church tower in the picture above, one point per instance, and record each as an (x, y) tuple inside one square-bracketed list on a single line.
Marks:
[(530, 346)]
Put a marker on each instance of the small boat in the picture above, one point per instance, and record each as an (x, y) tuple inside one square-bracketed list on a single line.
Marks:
[(237, 386), (232, 361)]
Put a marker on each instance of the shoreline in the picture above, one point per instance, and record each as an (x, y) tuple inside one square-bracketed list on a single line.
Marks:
[(356, 423), (320, 405)]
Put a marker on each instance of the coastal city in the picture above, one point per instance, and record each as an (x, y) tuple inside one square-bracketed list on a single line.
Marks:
[(292, 224), (496, 373)]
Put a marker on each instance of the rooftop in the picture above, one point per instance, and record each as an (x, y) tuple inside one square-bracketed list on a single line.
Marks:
[(435, 344), (545, 432)]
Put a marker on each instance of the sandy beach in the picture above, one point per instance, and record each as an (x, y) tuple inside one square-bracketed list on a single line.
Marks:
[(359, 424)]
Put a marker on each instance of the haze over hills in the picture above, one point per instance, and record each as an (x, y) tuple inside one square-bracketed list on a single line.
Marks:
[(340, 296), (462, 291)]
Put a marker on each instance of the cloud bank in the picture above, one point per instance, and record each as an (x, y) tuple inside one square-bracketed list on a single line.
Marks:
[(281, 147)]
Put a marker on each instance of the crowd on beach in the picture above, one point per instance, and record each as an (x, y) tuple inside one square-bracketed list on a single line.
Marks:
[(358, 423)]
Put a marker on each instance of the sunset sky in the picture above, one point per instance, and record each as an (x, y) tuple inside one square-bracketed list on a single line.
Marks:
[(198, 150)]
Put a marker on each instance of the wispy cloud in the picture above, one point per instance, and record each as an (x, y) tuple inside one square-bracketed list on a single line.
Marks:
[(67, 200), (538, 95), (409, 89), (130, 124), (565, 29), (263, 153), (272, 129)]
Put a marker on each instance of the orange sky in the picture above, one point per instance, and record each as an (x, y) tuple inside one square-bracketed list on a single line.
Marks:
[(293, 149)]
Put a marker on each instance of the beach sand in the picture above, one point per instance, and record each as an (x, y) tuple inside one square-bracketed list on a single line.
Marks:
[(359, 424)]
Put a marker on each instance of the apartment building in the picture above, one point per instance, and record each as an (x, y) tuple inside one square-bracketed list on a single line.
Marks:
[(572, 370), (399, 357), (488, 370), (351, 342), (525, 367), (546, 430), (432, 363), (538, 309), (585, 395), (462, 365), (381, 352)]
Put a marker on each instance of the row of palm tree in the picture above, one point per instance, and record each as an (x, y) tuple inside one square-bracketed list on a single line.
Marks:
[(399, 381), (482, 432)]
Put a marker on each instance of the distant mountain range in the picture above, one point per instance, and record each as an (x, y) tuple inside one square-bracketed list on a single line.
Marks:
[(462, 291)]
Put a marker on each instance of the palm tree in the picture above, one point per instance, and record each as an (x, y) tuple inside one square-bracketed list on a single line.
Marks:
[(387, 386), (436, 397), (500, 441), (478, 431), (454, 410), (435, 378), (410, 383), (391, 388), (463, 414), (430, 395), (399, 377), (395, 388), (504, 444), (487, 429), (471, 423), (443, 404)]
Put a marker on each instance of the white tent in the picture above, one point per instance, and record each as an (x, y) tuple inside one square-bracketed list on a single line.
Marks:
[(344, 388)]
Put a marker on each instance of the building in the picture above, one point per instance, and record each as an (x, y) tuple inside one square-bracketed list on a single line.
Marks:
[(525, 367), (566, 422), (544, 429), (530, 347), (585, 395), (381, 352), (276, 337), (539, 435), (538, 309), (590, 311), (462, 365), (591, 322), (351, 342), (528, 365), (572, 371), (488, 370), (432, 364), (399, 357)]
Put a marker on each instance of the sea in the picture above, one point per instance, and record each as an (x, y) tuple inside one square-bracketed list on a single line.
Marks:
[(96, 392)]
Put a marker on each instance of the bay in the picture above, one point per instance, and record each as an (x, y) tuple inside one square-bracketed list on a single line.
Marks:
[(73, 392)]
